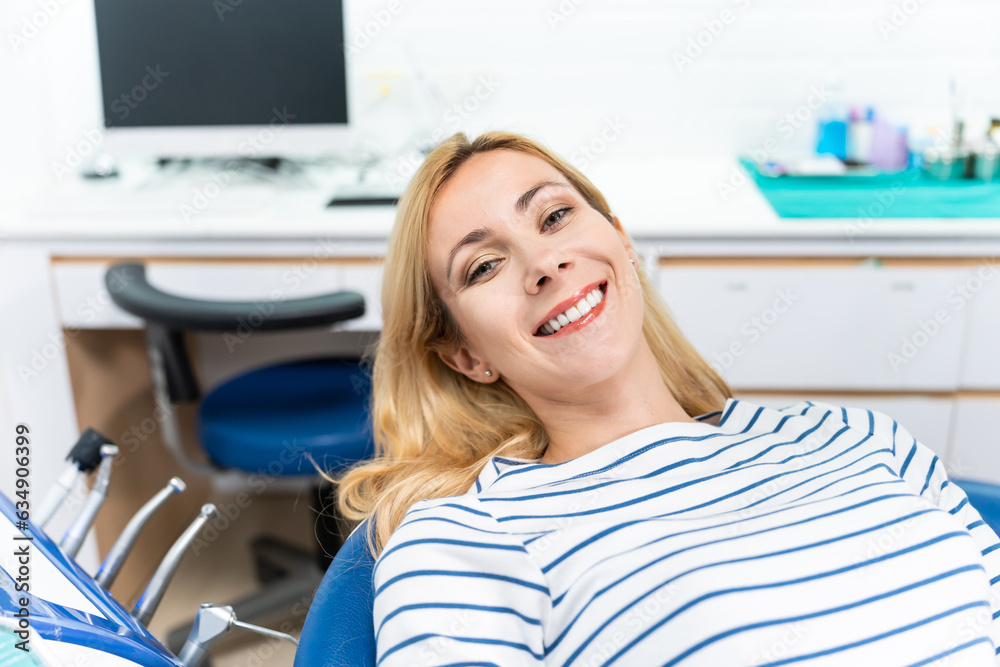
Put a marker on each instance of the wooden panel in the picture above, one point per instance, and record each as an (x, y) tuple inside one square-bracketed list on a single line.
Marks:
[(113, 393)]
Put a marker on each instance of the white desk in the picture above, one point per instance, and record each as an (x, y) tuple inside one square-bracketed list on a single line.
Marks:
[(52, 262)]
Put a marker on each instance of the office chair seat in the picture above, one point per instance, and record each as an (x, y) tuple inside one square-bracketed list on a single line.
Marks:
[(273, 420), (339, 628)]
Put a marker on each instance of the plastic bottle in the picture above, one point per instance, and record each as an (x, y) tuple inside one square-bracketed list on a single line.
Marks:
[(831, 131), (859, 136)]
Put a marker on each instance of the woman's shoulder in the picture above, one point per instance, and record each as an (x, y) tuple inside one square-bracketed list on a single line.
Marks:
[(464, 509), (867, 421), (454, 530), (447, 520), (449, 557)]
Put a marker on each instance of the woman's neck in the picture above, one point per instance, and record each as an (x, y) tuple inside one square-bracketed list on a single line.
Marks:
[(632, 400)]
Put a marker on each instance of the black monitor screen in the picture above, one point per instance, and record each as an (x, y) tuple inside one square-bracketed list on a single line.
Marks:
[(221, 62)]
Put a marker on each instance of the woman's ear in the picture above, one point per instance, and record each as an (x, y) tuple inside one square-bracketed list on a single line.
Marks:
[(465, 361)]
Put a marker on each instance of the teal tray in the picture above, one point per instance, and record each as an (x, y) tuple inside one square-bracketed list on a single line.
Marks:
[(907, 194)]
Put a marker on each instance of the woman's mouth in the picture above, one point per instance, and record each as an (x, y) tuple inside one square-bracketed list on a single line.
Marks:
[(582, 310)]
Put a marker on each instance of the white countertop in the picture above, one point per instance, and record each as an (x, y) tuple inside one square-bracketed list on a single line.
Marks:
[(675, 198)]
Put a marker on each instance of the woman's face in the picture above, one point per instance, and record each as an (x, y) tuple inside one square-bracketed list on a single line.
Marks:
[(511, 247)]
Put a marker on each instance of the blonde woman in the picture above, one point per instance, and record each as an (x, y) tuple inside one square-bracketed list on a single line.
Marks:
[(563, 480)]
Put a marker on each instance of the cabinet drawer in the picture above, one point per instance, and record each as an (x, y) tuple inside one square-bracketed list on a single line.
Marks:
[(852, 327), (975, 447), (84, 302), (980, 294)]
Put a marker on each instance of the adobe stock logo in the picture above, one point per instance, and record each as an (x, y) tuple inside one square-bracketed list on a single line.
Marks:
[(927, 329), (704, 39), (752, 330), (32, 25), (587, 153), (363, 35)]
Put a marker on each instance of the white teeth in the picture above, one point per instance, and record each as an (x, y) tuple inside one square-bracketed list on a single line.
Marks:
[(573, 313)]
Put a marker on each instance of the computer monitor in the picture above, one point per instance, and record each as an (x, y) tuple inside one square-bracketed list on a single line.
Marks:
[(229, 78)]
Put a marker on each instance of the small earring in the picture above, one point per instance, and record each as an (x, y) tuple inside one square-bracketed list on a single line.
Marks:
[(489, 373), (631, 260)]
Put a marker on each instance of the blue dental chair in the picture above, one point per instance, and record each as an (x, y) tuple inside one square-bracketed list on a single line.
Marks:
[(272, 422), (339, 628), (985, 497)]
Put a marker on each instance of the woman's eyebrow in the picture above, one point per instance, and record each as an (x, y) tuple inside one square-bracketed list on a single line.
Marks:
[(482, 234), (525, 200), (475, 236)]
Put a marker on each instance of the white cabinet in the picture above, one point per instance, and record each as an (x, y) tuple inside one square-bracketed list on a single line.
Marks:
[(980, 293), (84, 301), (975, 448), (842, 327), (365, 279)]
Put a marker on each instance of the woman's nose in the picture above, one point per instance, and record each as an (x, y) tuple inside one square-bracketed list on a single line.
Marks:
[(544, 267)]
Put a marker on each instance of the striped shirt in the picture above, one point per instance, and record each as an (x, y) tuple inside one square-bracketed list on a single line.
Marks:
[(813, 534)]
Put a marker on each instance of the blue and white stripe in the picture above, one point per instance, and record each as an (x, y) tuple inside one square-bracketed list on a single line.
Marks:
[(814, 534)]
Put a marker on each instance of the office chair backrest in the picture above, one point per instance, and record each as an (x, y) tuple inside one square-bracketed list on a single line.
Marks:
[(339, 629)]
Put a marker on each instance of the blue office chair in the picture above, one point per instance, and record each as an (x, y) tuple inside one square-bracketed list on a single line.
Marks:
[(272, 422), (340, 630)]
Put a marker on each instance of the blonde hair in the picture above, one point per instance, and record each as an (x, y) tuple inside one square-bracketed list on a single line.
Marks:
[(434, 428)]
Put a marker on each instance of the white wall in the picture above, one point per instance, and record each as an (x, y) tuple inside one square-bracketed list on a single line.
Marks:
[(564, 69), (562, 79)]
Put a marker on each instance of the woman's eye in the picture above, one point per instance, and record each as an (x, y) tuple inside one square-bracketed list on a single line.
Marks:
[(555, 217), (480, 270)]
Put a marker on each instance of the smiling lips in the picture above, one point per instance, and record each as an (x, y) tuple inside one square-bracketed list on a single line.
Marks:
[(575, 312)]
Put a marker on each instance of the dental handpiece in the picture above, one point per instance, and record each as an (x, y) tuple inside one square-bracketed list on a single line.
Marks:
[(112, 564), (147, 604), (73, 538), (210, 625), (84, 457)]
